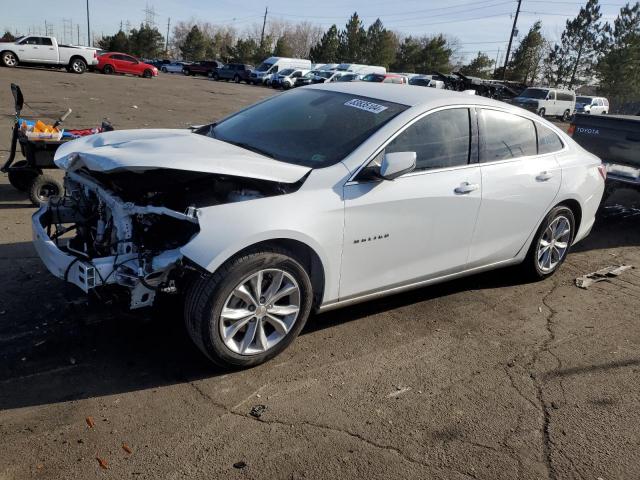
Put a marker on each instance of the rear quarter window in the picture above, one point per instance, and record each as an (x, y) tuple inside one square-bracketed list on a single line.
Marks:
[(548, 140)]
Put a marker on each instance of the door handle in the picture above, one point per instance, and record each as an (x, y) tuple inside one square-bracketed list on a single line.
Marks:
[(466, 187), (544, 176)]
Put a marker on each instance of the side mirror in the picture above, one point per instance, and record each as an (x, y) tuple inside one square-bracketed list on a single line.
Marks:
[(397, 164)]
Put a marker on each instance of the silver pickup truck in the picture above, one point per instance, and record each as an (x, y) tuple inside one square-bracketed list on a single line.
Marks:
[(45, 51)]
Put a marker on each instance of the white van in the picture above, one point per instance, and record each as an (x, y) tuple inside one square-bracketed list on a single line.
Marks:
[(360, 69), (592, 105), (544, 101), (272, 65)]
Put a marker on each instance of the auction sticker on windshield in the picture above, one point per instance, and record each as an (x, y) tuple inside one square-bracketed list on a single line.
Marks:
[(366, 106)]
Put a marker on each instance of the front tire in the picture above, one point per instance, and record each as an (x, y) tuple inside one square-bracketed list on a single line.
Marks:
[(566, 116), (250, 309), (541, 112), (147, 74), (551, 243), (9, 59), (236, 79)]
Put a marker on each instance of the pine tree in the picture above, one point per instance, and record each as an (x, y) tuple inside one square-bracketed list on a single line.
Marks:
[(283, 47), (525, 62), (195, 45), (353, 41), (572, 62), (7, 37), (424, 55), (327, 49), (381, 45), (480, 66), (619, 66), (146, 42)]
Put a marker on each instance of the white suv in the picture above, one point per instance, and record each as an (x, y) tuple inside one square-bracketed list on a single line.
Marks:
[(592, 105)]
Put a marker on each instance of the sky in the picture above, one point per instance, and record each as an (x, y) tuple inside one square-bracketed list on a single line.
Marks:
[(482, 25)]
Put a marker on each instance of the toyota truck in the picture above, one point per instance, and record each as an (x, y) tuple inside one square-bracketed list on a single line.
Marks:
[(45, 51), (616, 140)]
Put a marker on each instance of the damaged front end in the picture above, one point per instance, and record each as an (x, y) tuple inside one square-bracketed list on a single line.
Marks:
[(122, 232)]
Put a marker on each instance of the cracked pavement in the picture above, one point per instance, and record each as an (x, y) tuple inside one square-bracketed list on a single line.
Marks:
[(482, 378)]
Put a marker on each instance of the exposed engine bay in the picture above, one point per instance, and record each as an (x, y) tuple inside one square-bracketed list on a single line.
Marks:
[(124, 229)]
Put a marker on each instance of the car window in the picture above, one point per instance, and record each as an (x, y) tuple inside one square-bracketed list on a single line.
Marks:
[(30, 41), (548, 140), (552, 95), (46, 41), (441, 139), (314, 128), (504, 135), (127, 58), (115, 57)]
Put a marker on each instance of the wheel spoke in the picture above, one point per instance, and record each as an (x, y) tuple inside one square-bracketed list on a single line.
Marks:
[(561, 245), (233, 329), (543, 250), (276, 323), (235, 313), (261, 337), (283, 309), (249, 336), (243, 293), (288, 290), (276, 282), (256, 284)]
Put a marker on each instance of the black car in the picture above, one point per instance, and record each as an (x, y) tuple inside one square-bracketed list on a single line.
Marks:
[(204, 67), (234, 71)]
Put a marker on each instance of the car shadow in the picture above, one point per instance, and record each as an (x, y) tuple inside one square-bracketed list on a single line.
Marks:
[(56, 347), (11, 197)]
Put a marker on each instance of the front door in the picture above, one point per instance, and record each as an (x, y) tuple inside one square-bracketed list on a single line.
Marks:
[(419, 225)]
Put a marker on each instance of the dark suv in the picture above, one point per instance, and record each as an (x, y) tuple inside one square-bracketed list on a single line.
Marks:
[(233, 71), (205, 67)]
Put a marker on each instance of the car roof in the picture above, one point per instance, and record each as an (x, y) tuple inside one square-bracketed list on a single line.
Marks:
[(409, 95)]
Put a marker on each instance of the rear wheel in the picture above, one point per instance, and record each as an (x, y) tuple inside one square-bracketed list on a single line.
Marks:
[(20, 176), (42, 188), (163, 69), (551, 244), (541, 112), (566, 116), (236, 78), (249, 310), (215, 76), (107, 70), (78, 65), (186, 72)]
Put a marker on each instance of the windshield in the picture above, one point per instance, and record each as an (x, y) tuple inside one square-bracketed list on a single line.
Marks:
[(537, 93), (324, 73), (373, 77), (346, 78), (286, 71), (584, 100), (314, 128), (264, 66)]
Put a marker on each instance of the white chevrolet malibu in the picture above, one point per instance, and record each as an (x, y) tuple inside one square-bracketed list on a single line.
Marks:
[(348, 192)]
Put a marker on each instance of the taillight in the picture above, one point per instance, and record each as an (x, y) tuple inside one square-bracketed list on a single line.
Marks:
[(603, 171), (572, 129)]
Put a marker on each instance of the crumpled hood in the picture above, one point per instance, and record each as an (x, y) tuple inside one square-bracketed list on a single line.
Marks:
[(140, 150)]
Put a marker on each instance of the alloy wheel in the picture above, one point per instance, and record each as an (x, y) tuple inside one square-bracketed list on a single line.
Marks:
[(553, 244), (260, 312), (10, 59)]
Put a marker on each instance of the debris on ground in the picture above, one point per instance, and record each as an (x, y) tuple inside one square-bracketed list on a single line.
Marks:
[(258, 410), (126, 448), (91, 422), (103, 463), (399, 391), (585, 281), (239, 465)]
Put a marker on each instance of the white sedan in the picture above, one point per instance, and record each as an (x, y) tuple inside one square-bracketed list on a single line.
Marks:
[(349, 192)]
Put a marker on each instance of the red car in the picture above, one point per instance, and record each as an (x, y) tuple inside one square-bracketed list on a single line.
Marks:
[(114, 62)]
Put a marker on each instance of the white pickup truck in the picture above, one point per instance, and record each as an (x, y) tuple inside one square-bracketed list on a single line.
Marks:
[(38, 50)]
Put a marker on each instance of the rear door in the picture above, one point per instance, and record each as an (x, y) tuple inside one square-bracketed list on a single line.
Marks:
[(419, 225), (47, 52), (518, 184)]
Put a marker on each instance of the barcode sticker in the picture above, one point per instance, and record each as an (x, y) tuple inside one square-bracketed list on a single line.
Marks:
[(366, 106)]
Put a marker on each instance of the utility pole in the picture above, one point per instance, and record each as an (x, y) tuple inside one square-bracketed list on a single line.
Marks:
[(46, 31), (78, 25), (88, 27), (120, 25), (513, 29), (166, 42), (495, 65), (264, 23)]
